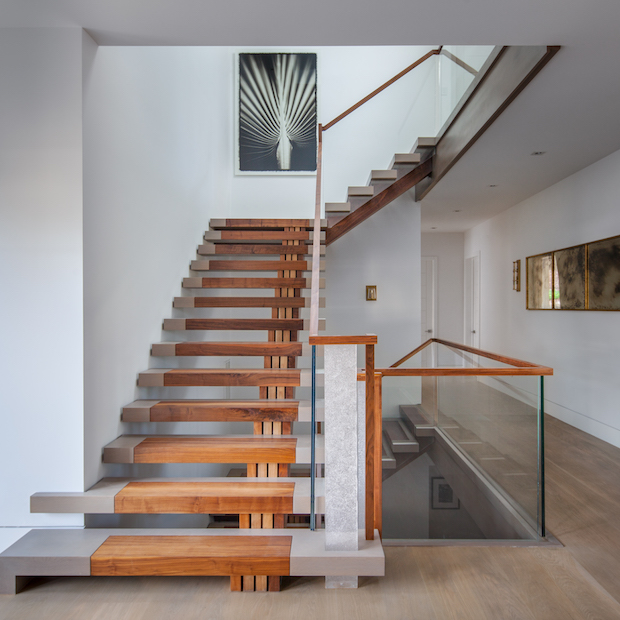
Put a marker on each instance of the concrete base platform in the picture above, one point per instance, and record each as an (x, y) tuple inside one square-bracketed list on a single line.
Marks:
[(67, 553)]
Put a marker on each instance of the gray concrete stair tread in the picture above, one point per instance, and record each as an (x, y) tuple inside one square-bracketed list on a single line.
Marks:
[(399, 436), (338, 207), (361, 190), (418, 419), (388, 459)]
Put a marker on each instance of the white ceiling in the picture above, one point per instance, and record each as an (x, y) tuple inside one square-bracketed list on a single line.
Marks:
[(570, 110)]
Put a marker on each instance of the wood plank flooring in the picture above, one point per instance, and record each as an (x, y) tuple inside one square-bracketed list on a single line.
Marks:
[(580, 581)]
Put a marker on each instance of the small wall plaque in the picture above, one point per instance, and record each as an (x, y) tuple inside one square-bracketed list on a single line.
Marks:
[(516, 275), (371, 293)]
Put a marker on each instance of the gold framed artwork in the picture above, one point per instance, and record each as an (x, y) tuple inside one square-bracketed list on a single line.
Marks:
[(582, 277), (516, 275)]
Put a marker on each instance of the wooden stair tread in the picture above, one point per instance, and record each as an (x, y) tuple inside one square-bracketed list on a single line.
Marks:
[(201, 449), (205, 498), (219, 410), (210, 249), (250, 265), (222, 236), (192, 555), (234, 324), (263, 223), (211, 411), (161, 377), (220, 495), (242, 302), (212, 449), (246, 282), (288, 349)]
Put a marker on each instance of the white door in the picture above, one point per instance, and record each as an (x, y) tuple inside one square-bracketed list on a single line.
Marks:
[(429, 297), (472, 302)]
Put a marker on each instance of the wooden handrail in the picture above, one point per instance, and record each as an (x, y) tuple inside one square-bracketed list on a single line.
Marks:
[(465, 372), (456, 60), (383, 87), (504, 359), (414, 352), (376, 203), (520, 367)]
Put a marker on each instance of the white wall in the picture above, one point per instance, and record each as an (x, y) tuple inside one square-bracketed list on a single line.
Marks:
[(41, 271), (103, 230), (448, 248), (582, 347), (156, 167), (384, 250)]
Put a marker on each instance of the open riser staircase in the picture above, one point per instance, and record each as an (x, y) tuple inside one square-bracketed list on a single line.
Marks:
[(267, 491), (263, 266), (254, 267)]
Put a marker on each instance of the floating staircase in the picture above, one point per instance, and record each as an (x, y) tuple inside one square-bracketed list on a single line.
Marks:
[(263, 548), (380, 181)]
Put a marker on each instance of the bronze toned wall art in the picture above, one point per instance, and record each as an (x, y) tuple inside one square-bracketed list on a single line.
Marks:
[(604, 274), (582, 277), (539, 282), (516, 275), (569, 278)]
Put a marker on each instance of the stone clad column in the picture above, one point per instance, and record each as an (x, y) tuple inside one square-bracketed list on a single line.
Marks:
[(341, 455)]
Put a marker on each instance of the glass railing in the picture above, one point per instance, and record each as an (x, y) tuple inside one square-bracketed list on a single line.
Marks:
[(458, 67), (410, 104), (463, 446)]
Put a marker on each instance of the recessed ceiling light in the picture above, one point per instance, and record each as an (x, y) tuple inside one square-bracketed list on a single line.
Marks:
[(536, 153), (457, 210), (491, 185)]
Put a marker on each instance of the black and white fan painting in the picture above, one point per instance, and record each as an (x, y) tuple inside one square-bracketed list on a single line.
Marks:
[(277, 113)]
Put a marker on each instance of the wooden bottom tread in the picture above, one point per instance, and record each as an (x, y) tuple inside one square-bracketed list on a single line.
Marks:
[(192, 555)]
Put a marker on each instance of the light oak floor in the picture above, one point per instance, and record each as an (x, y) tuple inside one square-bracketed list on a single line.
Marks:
[(581, 580)]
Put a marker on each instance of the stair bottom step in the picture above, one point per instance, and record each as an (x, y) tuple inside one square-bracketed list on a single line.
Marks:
[(192, 555), (63, 552)]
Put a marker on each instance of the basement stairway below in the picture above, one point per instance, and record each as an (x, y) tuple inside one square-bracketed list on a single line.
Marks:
[(261, 264)]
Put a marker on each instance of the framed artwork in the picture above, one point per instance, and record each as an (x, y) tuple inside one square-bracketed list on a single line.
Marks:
[(442, 495), (569, 278), (516, 275), (582, 277), (539, 281), (276, 124), (604, 274)]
